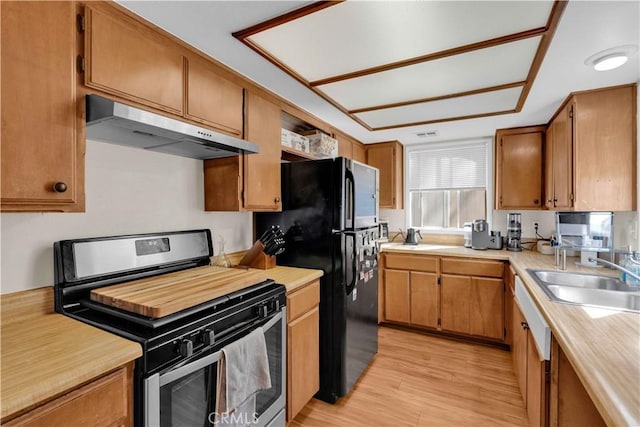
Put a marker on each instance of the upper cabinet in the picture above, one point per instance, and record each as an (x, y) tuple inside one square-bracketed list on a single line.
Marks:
[(42, 133), (359, 152), (250, 181), (593, 157), (559, 160), (519, 164), (132, 61), (212, 99), (388, 157)]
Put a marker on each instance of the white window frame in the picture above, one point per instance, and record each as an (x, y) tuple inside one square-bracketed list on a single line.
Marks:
[(489, 147)]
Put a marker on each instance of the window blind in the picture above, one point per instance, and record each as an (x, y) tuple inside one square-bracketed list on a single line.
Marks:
[(448, 168)]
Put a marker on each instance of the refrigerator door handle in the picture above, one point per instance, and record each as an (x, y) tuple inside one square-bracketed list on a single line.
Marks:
[(348, 177), (354, 263)]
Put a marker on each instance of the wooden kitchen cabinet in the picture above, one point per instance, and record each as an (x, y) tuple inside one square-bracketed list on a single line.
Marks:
[(359, 152), (509, 281), (397, 296), (530, 370), (569, 402), (472, 297), (211, 99), (559, 161), (132, 61), (42, 133), (105, 401), (593, 159), (411, 292), (388, 158), (519, 168), (251, 181), (303, 347)]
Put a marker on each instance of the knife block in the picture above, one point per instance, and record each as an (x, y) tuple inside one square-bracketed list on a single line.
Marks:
[(256, 258)]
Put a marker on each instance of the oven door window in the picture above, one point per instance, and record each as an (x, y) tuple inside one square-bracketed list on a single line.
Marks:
[(266, 398), (188, 401)]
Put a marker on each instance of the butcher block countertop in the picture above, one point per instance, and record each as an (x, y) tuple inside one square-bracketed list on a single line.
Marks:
[(293, 278), (603, 345), (45, 354)]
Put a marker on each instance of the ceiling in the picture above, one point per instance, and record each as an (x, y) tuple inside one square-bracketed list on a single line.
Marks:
[(466, 83)]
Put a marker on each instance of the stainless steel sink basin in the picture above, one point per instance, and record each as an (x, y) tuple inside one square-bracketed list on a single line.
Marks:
[(587, 289)]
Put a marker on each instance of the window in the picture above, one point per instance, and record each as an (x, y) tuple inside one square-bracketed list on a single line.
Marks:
[(447, 184)]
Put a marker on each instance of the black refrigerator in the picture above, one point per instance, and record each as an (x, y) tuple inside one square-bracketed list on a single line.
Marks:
[(330, 220)]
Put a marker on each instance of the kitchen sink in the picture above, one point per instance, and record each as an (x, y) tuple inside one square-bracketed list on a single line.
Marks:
[(588, 289)]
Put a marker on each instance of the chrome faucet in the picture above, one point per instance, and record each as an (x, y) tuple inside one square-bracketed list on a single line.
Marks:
[(616, 266)]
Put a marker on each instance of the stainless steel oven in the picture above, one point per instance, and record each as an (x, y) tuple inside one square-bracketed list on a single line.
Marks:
[(184, 395), (175, 379)]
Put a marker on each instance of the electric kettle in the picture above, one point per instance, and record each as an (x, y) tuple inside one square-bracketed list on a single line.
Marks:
[(412, 239)]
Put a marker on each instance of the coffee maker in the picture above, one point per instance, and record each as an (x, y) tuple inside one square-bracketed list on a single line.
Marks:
[(514, 231)]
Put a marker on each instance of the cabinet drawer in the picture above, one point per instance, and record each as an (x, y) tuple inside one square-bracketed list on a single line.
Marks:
[(303, 300), (106, 401), (473, 267), (411, 262)]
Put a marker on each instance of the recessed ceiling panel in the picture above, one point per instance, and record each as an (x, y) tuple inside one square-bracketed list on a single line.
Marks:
[(486, 103), (356, 35), (478, 69), (399, 63)]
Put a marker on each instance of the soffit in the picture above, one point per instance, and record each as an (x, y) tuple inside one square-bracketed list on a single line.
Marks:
[(394, 64)]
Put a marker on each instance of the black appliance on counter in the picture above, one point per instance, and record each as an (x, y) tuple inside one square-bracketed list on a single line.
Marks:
[(175, 379), (330, 219)]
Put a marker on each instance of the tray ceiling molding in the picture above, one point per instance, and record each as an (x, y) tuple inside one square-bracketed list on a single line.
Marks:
[(543, 35)]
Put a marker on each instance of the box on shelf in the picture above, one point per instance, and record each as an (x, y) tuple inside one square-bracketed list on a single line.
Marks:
[(322, 144), (293, 140)]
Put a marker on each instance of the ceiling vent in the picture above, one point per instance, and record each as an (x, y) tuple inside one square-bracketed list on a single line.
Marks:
[(427, 134)]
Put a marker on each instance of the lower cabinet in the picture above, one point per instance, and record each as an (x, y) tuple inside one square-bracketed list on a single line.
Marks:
[(303, 347), (457, 295), (107, 401), (530, 369), (569, 403)]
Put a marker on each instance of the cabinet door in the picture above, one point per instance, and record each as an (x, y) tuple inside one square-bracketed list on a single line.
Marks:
[(303, 367), (387, 157), (562, 159), (605, 145), (487, 307), (131, 61), (212, 99), (548, 166), (455, 297), (536, 385), (424, 299), (42, 134), (359, 152), (262, 170), (508, 304), (519, 170), (396, 296), (107, 401), (519, 349)]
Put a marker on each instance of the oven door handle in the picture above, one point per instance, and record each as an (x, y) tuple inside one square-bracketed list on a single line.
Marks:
[(173, 375)]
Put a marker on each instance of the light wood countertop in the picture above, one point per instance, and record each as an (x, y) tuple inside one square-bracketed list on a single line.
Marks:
[(603, 345), (293, 278), (45, 354)]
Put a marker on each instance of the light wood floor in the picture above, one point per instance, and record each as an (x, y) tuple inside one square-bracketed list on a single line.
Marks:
[(421, 380)]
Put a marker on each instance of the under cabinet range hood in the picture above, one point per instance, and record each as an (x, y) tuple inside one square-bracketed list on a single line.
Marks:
[(117, 123)]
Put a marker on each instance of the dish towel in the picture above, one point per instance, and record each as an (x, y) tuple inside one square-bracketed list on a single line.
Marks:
[(243, 370)]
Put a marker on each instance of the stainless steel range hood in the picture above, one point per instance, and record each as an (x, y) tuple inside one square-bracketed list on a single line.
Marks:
[(116, 123)]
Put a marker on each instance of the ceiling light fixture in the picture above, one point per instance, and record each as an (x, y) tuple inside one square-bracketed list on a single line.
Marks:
[(610, 59)]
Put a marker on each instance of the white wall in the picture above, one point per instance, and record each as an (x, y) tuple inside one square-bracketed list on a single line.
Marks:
[(127, 191)]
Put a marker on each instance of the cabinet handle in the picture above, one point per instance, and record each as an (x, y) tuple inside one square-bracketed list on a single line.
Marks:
[(524, 325), (536, 202), (277, 200), (60, 187)]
